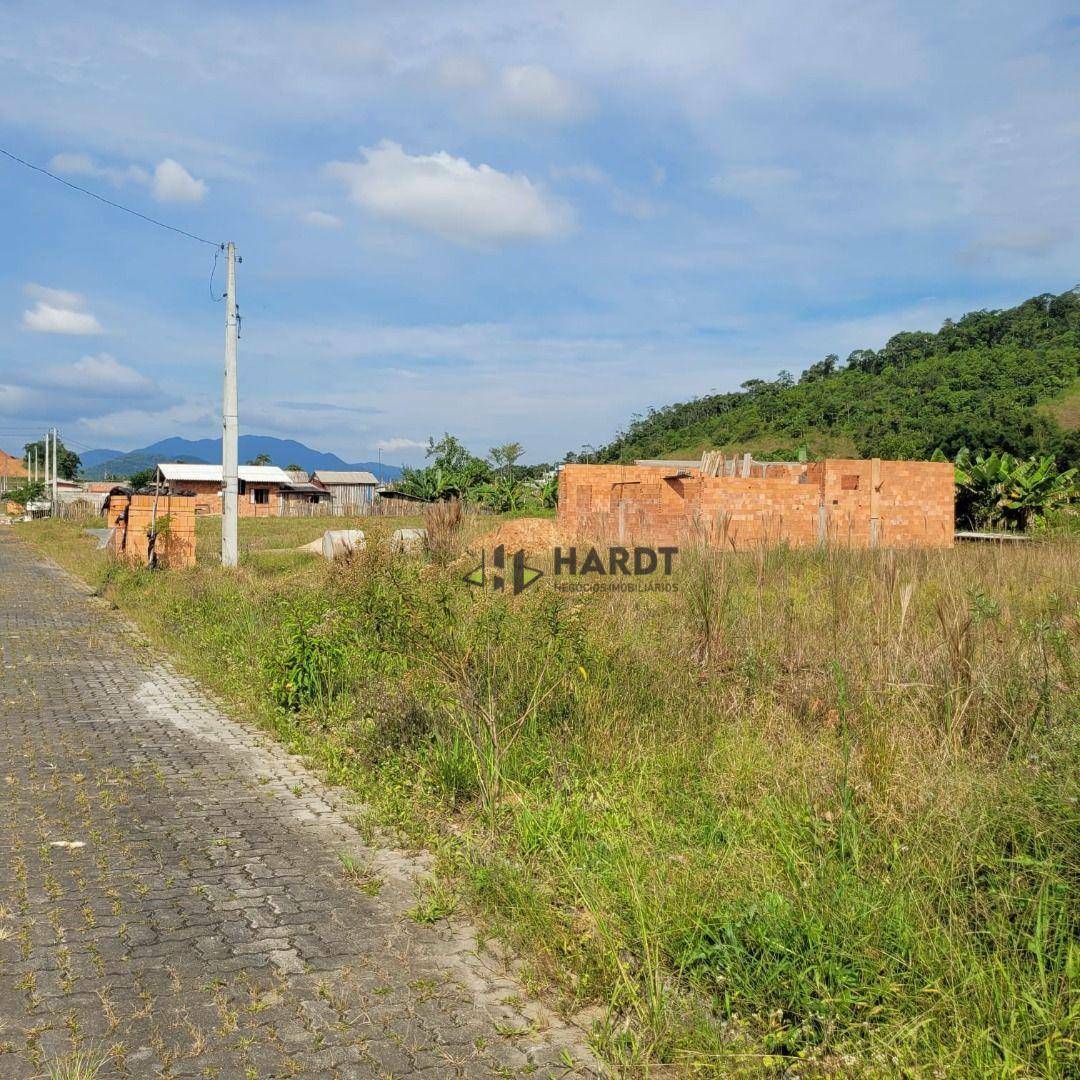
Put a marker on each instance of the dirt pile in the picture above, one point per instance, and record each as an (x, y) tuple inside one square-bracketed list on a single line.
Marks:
[(529, 534)]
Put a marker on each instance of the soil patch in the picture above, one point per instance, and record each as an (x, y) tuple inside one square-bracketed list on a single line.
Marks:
[(529, 534)]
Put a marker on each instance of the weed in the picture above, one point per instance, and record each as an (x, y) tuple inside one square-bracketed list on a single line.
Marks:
[(363, 876), (308, 665), (78, 1065), (435, 900), (443, 521)]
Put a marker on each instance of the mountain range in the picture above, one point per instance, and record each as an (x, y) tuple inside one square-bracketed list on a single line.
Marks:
[(108, 464)]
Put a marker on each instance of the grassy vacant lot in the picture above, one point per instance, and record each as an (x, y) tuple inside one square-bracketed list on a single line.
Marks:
[(815, 813), (280, 535)]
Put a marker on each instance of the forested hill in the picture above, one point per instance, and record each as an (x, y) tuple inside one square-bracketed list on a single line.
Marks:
[(1007, 380)]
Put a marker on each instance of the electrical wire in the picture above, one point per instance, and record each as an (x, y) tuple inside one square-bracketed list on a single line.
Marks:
[(109, 202), (213, 270)]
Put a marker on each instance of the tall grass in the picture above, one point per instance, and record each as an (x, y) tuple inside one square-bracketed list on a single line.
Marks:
[(813, 810)]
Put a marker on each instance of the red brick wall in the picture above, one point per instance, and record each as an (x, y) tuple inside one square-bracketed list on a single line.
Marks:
[(175, 545), (905, 503), (208, 498)]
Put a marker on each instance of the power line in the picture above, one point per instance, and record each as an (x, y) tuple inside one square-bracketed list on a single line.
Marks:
[(108, 202), (213, 270)]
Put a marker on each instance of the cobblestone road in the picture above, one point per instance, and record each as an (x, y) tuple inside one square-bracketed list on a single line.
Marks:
[(174, 901)]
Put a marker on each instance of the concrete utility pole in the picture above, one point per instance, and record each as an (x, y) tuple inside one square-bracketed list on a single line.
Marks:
[(230, 450), (55, 457), (46, 462)]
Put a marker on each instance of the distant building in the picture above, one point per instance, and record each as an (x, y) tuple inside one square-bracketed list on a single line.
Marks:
[(351, 492), (264, 489)]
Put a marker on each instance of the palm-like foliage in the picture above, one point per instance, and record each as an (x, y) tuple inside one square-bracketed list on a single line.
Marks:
[(454, 473), (547, 491), (1003, 491)]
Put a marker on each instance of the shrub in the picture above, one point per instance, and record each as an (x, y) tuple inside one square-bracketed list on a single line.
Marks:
[(308, 666)]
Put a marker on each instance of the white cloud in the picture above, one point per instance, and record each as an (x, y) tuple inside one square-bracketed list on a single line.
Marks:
[(321, 220), (535, 91), (169, 182), (173, 183), (399, 442), (622, 202), (58, 311), (13, 399), (100, 374), (137, 426), (515, 92), (84, 165), (58, 297), (448, 196)]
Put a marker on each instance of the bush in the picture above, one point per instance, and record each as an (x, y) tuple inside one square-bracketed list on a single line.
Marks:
[(28, 492), (308, 666)]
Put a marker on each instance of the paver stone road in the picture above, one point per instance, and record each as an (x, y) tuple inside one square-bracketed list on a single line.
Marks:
[(173, 896)]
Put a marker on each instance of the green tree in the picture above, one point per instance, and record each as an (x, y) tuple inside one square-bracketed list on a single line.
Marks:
[(261, 459), (69, 463), (142, 478), (454, 472), (506, 457)]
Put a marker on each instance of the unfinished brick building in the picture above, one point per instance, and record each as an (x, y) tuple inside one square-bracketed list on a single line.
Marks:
[(133, 517), (741, 503)]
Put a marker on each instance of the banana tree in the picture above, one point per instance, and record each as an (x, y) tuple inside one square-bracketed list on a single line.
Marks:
[(502, 494), (1005, 492), (547, 491)]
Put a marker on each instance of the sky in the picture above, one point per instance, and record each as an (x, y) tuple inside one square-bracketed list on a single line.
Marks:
[(513, 222)]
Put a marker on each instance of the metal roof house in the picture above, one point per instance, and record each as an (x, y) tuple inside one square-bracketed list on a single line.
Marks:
[(191, 473), (352, 491), (265, 490)]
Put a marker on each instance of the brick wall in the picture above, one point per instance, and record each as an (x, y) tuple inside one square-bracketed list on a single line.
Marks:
[(857, 503), (208, 498), (132, 517)]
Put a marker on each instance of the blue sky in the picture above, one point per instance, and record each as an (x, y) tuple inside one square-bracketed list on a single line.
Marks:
[(511, 221)]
